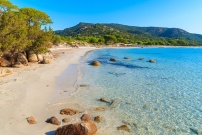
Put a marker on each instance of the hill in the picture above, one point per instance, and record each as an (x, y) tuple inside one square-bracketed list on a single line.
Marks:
[(113, 33)]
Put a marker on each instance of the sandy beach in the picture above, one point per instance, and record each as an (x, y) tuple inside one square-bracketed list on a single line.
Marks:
[(27, 92)]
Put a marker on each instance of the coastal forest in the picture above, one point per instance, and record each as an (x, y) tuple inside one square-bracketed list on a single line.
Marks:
[(23, 30), (108, 34)]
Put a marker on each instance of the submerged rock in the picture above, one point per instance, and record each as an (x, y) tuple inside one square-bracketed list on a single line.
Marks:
[(31, 120), (141, 59), (105, 100), (83, 85), (124, 127), (152, 61), (95, 63), (68, 111), (113, 59), (126, 57), (86, 117), (66, 120), (53, 120), (98, 119), (196, 131)]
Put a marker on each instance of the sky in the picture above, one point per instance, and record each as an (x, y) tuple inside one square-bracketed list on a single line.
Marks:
[(184, 14)]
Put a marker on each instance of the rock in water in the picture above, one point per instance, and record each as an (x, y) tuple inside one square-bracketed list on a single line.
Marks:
[(22, 59), (126, 58), (98, 119), (53, 120), (152, 61), (31, 120), (32, 58), (72, 129), (113, 59), (141, 59), (196, 131), (86, 117), (124, 127), (68, 111), (105, 100), (95, 63)]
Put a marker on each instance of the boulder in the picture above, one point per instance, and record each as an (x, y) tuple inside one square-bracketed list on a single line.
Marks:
[(47, 58), (68, 111), (98, 119), (126, 57), (18, 64), (40, 57), (31, 120), (152, 61), (4, 62), (66, 120), (95, 63), (113, 59), (72, 129), (124, 127), (32, 58), (53, 120), (22, 59), (5, 71), (86, 117)]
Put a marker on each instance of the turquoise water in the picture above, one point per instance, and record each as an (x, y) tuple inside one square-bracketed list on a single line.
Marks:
[(155, 98)]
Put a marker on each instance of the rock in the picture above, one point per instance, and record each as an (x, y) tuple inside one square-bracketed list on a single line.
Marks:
[(141, 59), (86, 117), (136, 125), (4, 62), (18, 65), (32, 58), (83, 128), (124, 127), (98, 119), (83, 85), (22, 59), (126, 57), (66, 120), (40, 57), (196, 131), (95, 63), (115, 103), (100, 108), (31, 120), (72, 129), (113, 59), (53, 120), (152, 61), (5, 71), (47, 58), (105, 100), (68, 111)]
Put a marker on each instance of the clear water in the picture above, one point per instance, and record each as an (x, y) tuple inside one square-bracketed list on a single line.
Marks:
[(155, 98)]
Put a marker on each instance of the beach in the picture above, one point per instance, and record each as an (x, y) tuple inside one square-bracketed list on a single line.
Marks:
[(27, 92)]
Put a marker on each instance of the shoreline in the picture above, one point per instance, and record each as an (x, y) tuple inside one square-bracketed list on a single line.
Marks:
[(28, 90)]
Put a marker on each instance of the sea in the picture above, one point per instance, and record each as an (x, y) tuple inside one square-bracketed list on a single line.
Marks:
[(161, 98)]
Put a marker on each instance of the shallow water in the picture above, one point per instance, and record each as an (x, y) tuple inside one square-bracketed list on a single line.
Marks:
[(160, 98)]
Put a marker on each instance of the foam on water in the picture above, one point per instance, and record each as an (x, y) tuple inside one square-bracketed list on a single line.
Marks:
[(160, 98)]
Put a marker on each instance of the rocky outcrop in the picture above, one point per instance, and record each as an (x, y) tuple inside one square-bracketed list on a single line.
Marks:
[(47, 58), (68, 111), (53, 120), (22, 59), (4, 62), (95, 63), (31, 120), (113, 59), (32, 58)]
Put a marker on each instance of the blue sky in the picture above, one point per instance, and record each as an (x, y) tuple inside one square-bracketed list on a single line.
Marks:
[(185, 14)]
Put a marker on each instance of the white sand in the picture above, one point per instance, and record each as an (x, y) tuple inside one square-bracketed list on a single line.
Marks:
[(27, 93)]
